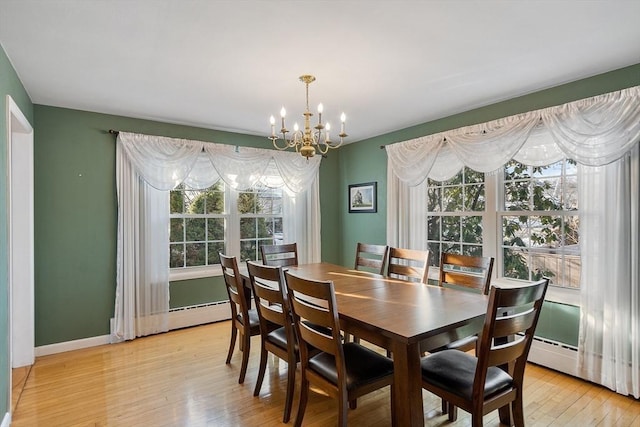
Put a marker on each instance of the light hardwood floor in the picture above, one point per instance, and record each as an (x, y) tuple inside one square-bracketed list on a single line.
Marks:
[(180, 379)]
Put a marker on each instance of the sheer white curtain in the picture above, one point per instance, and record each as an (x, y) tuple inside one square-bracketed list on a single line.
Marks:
[(597, 132), (609, 338), (147, 168)]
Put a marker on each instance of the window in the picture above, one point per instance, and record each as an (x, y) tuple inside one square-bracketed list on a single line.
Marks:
[(526, 218), (539, 223), (204, 222), (455, 215), (197, 226), (260, 211)]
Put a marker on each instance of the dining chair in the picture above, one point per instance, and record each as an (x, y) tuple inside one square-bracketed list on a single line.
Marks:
[(269, 292), (467, 273), (280, 255), (243, 319), (494, 378), (408, 264), (345, 371), (372, 258)]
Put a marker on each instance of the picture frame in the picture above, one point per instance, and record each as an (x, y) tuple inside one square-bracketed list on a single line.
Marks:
[(363, 198)]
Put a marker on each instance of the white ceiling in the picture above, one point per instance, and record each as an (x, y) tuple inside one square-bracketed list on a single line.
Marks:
[(231, 64)]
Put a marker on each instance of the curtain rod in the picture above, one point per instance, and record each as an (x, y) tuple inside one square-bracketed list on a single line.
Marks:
[(113, 132)]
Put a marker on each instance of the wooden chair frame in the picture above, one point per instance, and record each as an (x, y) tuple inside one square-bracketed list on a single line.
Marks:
[(267, 284), (505, 342), (279, 255), (315, 318), (376, 265), (240, 312), (409, 264)]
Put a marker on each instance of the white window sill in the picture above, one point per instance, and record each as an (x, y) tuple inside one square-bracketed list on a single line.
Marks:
[(176, 274)]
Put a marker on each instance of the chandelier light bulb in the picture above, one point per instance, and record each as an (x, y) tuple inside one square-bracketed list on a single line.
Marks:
[(272, 120), (296, 128), (320, 108), (283, 113)]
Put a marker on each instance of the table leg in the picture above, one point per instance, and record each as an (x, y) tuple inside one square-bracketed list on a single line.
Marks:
[(407, 405)]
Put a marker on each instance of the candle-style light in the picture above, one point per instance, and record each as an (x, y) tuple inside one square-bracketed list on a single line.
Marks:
[(307, 140)]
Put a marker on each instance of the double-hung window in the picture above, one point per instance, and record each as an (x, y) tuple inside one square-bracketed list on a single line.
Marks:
[(222, 219), (525, 217)]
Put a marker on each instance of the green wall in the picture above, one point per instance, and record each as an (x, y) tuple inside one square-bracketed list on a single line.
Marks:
[(9, 85)]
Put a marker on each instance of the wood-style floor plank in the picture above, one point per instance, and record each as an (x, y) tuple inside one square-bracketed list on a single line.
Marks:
[(180, 379)]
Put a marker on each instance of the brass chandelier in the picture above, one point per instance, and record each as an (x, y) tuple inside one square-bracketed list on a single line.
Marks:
[(307, 140)]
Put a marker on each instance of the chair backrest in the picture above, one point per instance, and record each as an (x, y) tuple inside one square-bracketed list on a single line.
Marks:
[(315, 318), (269, 293), (371, 257), (512, 316), (473, 272), (235, 288), (409, 264), (280, 255)]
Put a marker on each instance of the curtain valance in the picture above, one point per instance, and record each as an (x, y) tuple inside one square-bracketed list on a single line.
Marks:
[(166, 162), (594, 132)]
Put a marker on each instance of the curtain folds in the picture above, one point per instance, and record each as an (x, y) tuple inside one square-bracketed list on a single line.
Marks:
[(602, 134), (147, 168), (594, 132)]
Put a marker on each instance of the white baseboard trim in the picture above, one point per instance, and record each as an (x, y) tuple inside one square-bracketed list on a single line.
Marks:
[(61, 347), (189, 316), (555, 356), (6, 421), (199, 315)]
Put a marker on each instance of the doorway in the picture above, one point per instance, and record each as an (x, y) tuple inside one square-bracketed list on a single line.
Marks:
[(20, 239)]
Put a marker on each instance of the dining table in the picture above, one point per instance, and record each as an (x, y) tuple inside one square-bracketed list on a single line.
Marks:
[(407, 318)]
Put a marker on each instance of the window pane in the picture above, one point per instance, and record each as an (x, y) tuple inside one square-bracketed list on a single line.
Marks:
[(451, 228), (571, 234), (453, 248), (452, 199), (472, 229), (471, 250), (516, 196), (547, 194), (195, 254), (434, 253), (176, 201), (545, 231), (195, 230), (456, 180), (248, 250), (572, 264), (471, 176), (515, 264), (474, 197), (433, 228), (264, 228), (247, 203), (213, 249), (247, 228), (215, 229), (194, 200), (433, 199), (570, 197), (515, 170), (214, 202), (176, 231), (514, 230), (176, 256)]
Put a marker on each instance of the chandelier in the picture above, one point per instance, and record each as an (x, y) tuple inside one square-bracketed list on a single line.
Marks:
[(307, 140)]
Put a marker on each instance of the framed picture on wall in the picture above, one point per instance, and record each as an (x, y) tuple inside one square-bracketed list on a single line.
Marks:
[(363, 197)]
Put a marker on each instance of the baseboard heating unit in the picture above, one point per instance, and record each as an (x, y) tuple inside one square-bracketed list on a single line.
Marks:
[(555, 355), (194, 315)]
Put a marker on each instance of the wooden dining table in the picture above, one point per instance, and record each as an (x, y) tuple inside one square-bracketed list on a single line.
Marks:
[(404, 317)]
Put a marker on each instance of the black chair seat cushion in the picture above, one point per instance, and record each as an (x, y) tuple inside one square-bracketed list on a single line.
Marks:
[(254, 321), (454, 371), (363, 365), (278, 337)]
